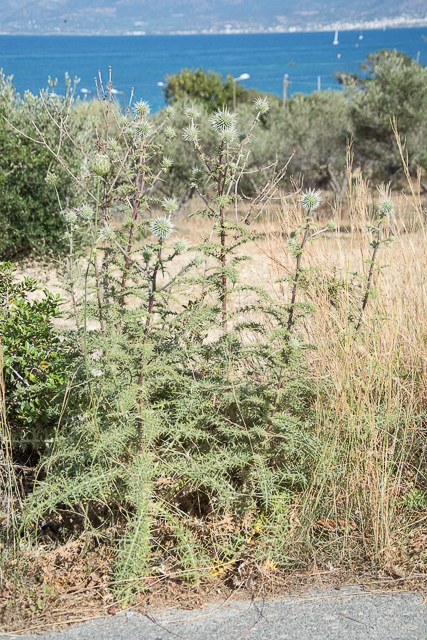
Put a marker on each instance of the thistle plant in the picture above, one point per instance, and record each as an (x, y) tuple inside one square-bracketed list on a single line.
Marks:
[(310, 201), (386, 208), (220, 175)]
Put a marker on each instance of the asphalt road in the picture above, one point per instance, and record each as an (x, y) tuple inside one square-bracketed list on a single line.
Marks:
[(317, 615)]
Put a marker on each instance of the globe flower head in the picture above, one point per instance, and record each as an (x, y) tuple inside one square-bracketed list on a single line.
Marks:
[(147, 253), (170, 133), (261, 105), (71, 217), (143, 129), (192, 112), (161, 228), (223, 120), (170, 205), (180, 246), (311, 199), (142, 109), (101, 164), (198, 259), (169, 110), (386, 207), (332, 225), (228, 135), (197, 175), (167, 162), (106, 233), (86, 212), (191, 133)]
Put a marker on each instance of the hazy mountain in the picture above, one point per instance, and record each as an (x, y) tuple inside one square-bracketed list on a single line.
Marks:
[(166, 16)]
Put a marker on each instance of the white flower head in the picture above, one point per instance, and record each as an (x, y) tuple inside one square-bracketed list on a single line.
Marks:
[(261, 105), (170, 205), (192, 113), (223, 119), (180, 246), (167, 162), (169, 110), (71, 217), (106, 233), (147, 253), (143, 129), (96, 355), (101, 164), (386, 207), (311, 199), (161, 227), (96, 372), (86, 212), (197, 175), (228, 135), (191, 133), (170, 133), (142, 109), (198, 260)]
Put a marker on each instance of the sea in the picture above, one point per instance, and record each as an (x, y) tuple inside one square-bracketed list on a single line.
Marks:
[(309, 60)]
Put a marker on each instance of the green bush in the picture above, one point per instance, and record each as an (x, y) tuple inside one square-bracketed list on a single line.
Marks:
[(30, 215), (34, 359), (206, 87)]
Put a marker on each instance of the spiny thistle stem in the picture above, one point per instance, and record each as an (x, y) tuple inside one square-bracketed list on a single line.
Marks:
[(73, 295), (220, 189), (386, 207), (139, 187), (310, 201)]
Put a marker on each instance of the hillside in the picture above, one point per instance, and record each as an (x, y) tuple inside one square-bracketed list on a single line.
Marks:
[(172, 16)]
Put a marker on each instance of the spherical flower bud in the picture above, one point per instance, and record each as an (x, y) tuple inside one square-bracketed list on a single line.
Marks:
[(142, 109), (197, 175), (86, 212), (310, 199), (167, 162), (332, 225), (192, 112), (386, 207), (106, 233), (101, 164), (147, 253), (261, 105), (51, 179), (190, 133), (228, 135), (391, 239), (223, 120), (180, 246), (113, 144), (170, 205), (71, 217), (198, 260), (169, 110), (161, 228), (294, 344), (170, 133), (143, 129)]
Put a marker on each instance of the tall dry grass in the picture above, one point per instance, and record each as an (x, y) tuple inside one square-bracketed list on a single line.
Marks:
[(372, 383)]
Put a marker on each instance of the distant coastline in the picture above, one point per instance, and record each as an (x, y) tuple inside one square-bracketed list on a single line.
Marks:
[(400, 22)]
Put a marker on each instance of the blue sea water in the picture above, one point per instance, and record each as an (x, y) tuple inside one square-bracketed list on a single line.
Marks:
[(142, 61)]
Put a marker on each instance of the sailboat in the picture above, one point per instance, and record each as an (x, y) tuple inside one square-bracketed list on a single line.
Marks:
[(360, 36), (336, 37)]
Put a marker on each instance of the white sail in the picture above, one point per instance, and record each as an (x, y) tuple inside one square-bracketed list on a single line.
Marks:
[(336, 37)]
